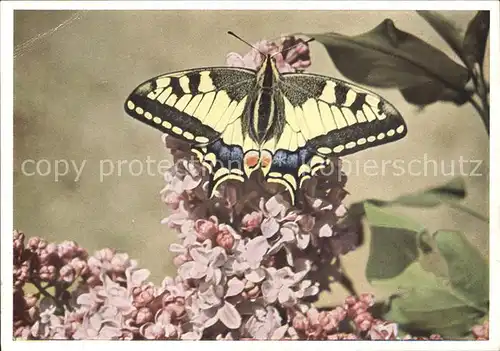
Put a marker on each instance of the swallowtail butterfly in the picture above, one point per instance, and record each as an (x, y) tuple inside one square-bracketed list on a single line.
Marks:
[(285, 125)]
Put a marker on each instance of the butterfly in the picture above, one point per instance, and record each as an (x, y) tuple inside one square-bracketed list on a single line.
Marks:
[(285, 125)]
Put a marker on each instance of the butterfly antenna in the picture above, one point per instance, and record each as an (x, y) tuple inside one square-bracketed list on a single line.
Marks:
[(246, 42), (291, 47)]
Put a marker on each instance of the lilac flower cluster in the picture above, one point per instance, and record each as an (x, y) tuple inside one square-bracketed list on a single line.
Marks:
[(249, 265), (110, 298), (251, 256)]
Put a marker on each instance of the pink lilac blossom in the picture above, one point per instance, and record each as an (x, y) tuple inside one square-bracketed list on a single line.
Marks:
[(245, 261)]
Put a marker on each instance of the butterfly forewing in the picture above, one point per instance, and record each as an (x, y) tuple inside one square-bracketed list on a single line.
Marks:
[(190, 104), (340, 118)]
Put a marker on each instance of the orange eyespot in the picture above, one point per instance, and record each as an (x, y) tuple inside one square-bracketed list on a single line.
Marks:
[(252, 159), (265, 161)]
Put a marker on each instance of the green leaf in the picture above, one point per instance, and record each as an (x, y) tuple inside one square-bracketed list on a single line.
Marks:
[(451, 191), (447, 29), (476, 37), (429, 304), (450, 194), (388, 57), (393, 244), (446, 291), (468, 270)]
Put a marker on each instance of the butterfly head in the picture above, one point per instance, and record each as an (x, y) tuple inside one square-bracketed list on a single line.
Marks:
[(268, 67)]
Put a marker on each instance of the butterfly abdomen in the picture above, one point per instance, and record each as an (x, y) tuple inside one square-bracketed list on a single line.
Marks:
[(263, 108)]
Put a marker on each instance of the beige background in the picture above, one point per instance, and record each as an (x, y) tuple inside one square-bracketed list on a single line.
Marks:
[(71, 83)]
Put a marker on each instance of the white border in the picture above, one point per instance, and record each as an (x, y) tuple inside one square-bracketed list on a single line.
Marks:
[(252, 5), (6, 130)]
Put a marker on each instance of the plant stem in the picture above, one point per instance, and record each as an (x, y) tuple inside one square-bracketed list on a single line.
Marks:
[(484, 94), (45, 293), (482, 113), (477, 75), (467, 210), (344, 279)]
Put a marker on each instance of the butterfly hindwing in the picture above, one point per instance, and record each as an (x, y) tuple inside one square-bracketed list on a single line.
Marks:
[(222, 161)]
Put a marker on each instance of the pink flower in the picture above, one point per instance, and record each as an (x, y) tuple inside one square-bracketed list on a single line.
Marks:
[(383, 331), (153, 331), (144, 315), (79, 266), (48, 273), (69, 249), (142, 295), (179, 260), (481, 331), (206, 229), (290, 60), (363, 321), (67, 273), (300, 322), (34, 242), (207, 263), (265, 324), (225, 240), (367, 298), (172, 199), (251, 221), (18, 241)]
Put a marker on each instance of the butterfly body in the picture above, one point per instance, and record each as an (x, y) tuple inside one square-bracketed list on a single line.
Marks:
[(286, 125)]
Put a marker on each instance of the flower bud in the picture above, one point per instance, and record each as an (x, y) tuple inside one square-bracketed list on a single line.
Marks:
[(252, 293), (31, 300), (363, 321), (80, 266), (47, 273), (179, 260), (367, 298), (177, 311), (67, 250), (105, 254), (205, 229), (350, 300), (120, 262), (18, 242), (225, 240), (163, 316), (251, 221), (327, 321), (170, 331), (306, 222), (143, 295), (33, 243), (300, 322), (172, 199), (144, 315), (152, 331), (339, 313), (67, 273)]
